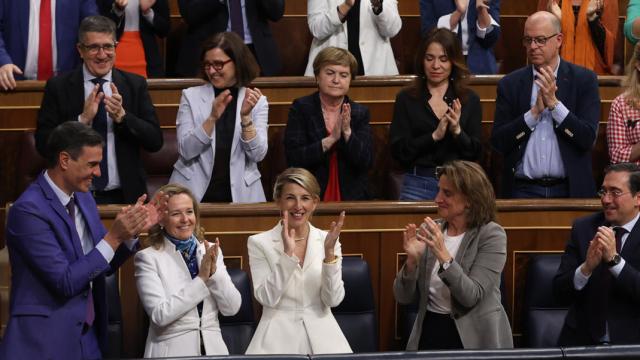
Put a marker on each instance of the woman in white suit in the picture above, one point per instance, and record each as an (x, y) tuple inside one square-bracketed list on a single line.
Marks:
[(222, 126), (297, 275), (364, 27), (183, 283)]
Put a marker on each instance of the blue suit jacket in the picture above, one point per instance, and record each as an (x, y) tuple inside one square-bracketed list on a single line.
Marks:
[(623, 315), (14, 31), (50, 276), (480, 57), (578, 91)]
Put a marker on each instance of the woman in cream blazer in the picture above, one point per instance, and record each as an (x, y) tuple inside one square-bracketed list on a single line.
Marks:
[(376, 31), (249, 143), (297, 290), (170, 294)]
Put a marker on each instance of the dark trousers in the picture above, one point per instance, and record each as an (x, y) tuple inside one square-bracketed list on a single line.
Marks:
[(439, 332)]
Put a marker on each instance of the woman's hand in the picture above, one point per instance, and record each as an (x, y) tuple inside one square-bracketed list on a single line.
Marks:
[(121, 4), (461, 5), (346, 121), (554, 8), (251, 98), (413, 247), (334, 137), (440, 131), (453, 117), (145, 5), (431, 234), (217, 109), (594, 8), (208, 264), (288, 236), (332, 237)]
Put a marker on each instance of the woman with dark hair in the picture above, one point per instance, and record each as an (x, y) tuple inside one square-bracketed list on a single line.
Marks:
[(329, 134), (222, 126), (455, 263), (183, 283), (436, 120)]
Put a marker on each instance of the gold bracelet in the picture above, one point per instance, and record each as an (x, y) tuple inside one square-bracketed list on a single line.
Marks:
[(335, 260), (244, 126)]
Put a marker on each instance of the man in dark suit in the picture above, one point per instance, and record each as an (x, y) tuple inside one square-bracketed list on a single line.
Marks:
[(599, 274), (21, 52), (60, 254), (477, 25), (206, 18), (560, 101), (115, 103)]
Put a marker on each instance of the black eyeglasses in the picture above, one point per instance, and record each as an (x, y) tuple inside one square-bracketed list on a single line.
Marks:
[(539, 40), (95, 48), (218, 65)]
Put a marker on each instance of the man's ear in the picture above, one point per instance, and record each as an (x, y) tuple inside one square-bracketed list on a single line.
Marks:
[(63, 160)]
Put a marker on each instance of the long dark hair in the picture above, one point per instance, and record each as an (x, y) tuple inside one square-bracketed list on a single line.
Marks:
[(459, 77)]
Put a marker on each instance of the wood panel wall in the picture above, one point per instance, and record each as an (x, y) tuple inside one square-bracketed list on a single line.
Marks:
[(372, 231)]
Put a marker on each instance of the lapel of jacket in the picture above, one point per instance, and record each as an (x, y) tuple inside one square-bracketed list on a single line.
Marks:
[(469, 235), (177, 258), (563, 83), (23, 24), (319, 128), (526, 83), (61, 211), (237, 129), (315, 245), (76, 91), (83, 206), (121, 83), (632, 242)]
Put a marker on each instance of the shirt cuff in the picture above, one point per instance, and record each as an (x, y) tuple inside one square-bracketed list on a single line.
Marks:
[(530, 120), (445, 22), (579, 279), (106, 250), (616, 270), (482, 32), (131, 243), (149, 15), (559, 113)]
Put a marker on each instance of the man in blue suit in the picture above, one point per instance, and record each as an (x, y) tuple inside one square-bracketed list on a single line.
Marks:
[(60, 254), (546, 119), (477, 25), (19, 37)]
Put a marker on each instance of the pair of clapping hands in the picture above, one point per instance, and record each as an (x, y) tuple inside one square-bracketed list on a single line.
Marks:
[(449, 121), (289, 236), (602, 248), (593, 8), (415, 241), (131, 220), (481, 5)]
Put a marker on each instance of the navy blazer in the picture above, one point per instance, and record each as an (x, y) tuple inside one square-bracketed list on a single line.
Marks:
[(205, 18), (63, 100), (14, 32), (623, 317), (148, 32), (578, 91), (50, 276), (480, 57), (303, 146)]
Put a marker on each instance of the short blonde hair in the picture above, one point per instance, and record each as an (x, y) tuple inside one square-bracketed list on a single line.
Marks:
[(298, 176), (335, 56), (156, 233), (632, 80)]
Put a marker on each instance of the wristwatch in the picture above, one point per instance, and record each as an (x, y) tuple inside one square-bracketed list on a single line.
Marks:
[(445, 265), (615, 260)]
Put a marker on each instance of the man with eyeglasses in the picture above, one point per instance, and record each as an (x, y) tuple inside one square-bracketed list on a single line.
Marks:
[(38, 37), (599, 272), (546, 119), (114, 102)]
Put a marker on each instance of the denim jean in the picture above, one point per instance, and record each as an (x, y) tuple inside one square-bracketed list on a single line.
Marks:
[(532, 191), (415, 187)]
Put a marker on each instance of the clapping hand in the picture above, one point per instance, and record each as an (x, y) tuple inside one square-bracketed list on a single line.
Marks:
[(251, 98), (345, 116), (412, 246), (453, 117), (332, 237), (208, 264)]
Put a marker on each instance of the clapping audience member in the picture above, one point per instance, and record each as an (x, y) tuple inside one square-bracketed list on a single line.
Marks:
[(139, 22), (249, 19), (632, 24), (28, 48), (437, 119), (589, 29), (115, 103), (455, 265), (222, 126), (364, 27), (297, 266), (61, 253), (329, 134), (183, 283), (477, 23), (623, 136)]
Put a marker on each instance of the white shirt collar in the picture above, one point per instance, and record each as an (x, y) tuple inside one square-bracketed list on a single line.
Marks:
[(629, 226), (87, 76), (62, 196)]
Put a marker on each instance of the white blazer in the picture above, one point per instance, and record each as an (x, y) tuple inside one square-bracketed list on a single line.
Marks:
[(170, 297), (375, 34), (296, 314), (196, 149)]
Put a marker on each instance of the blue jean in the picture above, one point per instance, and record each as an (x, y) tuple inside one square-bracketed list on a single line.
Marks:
[(532, 191), (415, 187)]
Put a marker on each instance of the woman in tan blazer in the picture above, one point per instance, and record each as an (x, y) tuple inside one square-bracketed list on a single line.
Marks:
[(297, 276), (183, 283), (455, 263)]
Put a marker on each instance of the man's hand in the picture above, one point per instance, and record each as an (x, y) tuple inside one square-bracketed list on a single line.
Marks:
[(462, 5), (7, 81), (121, 4), (113, 104), (129, 222), (91, 104), (547, 87), (538, 107), (606, 238), (593, 258)]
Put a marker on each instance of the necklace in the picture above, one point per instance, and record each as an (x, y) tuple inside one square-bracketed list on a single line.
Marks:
[(299, 239)]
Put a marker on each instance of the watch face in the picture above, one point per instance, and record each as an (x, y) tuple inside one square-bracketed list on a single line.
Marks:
[(615, 260)]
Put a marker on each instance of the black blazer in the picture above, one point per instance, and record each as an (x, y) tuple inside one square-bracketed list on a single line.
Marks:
[(578, 91), (624, 293), (148, 32), (205, 18), (303, 146), (63, 100)]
